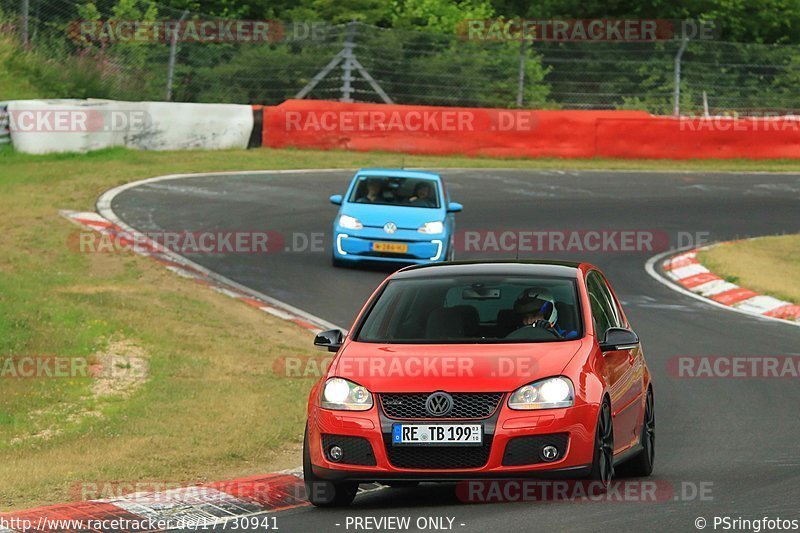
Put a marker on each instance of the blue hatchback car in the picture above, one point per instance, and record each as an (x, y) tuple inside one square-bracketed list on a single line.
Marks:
[(394, 215)]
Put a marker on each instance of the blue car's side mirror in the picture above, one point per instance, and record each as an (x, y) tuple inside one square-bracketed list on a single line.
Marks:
[(454, 207), (336, 199)]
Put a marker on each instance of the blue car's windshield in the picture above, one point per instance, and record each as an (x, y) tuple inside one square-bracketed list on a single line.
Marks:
[(410, 192)]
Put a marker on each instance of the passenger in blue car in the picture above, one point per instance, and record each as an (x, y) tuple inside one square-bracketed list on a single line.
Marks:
[(374, 192), (536, 308), (423, 195)]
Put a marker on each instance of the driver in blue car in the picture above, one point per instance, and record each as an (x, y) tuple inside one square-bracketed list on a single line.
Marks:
[(423, 195), (536, 308)]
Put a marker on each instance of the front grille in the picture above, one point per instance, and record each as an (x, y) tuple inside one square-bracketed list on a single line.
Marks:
[(527, 450), (438, 457), (356, 450), (405, 406)]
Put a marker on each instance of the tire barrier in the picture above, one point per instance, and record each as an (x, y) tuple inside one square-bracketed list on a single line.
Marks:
[(46, 126)]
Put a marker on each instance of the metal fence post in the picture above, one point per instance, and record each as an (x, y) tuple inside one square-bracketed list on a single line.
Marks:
[(347, 65), (173, 51), (24, 17), (521, 79), (676, 99)]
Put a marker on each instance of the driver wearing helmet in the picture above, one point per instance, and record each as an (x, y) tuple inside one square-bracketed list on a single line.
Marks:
[(537, 308)]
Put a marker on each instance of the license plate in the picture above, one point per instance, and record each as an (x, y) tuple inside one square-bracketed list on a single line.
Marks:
[(390, 247), (437, 434)]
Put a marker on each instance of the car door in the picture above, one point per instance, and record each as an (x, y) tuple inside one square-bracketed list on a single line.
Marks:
[(633, 412), (618, 368)]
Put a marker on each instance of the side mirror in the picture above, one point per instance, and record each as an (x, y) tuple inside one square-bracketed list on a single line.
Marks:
[(336, 199), (454, 207), (619, 339), (331, 339)]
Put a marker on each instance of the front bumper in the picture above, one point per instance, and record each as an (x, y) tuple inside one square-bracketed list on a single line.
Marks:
[(348, 246), (575, 425)]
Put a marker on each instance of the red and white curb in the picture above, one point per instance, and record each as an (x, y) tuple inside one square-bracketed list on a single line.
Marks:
[(686, 271), (140, 244), (197, 506)]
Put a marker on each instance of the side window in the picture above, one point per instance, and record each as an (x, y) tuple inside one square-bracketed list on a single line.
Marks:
[(616, 314), (600, 310)]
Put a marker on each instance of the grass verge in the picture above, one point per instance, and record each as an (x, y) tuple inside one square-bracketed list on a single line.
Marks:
[(209, 406), (767, 265)]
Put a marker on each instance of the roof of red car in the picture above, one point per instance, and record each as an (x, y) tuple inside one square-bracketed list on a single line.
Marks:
[(566, 269)]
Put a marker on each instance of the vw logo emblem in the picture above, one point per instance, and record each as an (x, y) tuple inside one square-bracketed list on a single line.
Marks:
[(439, 404), (390, 227)]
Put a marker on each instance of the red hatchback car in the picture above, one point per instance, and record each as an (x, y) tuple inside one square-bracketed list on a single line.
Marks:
[(472, 370)]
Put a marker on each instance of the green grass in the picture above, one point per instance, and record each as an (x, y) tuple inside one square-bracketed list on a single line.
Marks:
[(767, 265), (211, 407)]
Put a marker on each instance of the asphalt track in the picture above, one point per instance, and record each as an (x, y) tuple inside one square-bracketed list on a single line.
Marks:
[(739, 436)]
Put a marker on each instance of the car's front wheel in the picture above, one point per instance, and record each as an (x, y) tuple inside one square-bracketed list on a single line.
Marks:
[(603, 461), (321, 492)]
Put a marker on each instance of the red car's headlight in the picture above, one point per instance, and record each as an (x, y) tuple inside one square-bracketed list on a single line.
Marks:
[(343, 395), (550, 393)]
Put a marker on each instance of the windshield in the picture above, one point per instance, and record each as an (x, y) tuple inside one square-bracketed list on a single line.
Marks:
[(410, 192), (471, 309)]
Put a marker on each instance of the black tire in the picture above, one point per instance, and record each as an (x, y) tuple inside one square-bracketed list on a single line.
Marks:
[(323, 493), (603, 460), (641, 465), (337, 263)]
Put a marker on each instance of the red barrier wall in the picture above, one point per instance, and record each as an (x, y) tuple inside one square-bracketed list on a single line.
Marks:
[(523, 133), (695, 138)]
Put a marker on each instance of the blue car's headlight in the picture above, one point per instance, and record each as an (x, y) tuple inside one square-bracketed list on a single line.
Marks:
[(432, 228), (348, 222)]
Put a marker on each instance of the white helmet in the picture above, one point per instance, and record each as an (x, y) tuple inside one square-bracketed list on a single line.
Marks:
[(538, 293)]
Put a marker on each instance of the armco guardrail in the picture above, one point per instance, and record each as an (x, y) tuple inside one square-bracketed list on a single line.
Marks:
[(525, 133)]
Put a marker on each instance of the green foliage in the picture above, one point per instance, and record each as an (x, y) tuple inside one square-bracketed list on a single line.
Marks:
[(438, 15)]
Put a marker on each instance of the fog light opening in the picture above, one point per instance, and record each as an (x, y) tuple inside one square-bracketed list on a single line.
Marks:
[(549, 453), (335, 453)]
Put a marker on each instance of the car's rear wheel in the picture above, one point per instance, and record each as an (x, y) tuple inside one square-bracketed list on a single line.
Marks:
[(641, 465), (321, 492), (603, 461)]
